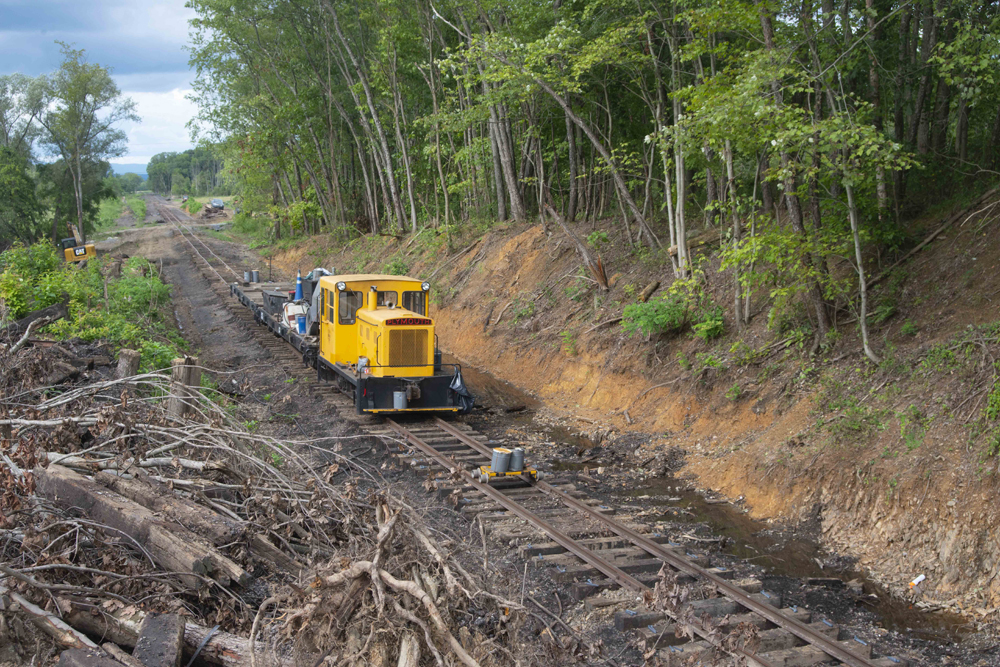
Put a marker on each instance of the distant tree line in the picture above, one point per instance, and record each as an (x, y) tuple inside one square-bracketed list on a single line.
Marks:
[(197, 171), (70, 115)]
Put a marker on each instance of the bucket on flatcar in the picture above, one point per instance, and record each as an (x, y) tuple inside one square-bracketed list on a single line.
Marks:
[(517, 460), (255, 276), (501, 460), (302, 324), (246, 276)]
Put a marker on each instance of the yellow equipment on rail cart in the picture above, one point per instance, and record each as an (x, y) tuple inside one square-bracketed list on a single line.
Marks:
[(506, 465)]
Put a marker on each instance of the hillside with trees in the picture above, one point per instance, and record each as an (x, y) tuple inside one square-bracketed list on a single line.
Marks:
[(804, 133)]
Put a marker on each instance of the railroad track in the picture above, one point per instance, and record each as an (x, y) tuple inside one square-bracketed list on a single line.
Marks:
[(581, 541)]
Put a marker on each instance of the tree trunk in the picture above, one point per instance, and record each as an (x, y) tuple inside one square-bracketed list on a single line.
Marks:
[(571, 144), (862, 287), (792, 203), (737, 231)]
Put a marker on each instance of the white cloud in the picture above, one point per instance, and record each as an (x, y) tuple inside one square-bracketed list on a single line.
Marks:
[(164, 117)]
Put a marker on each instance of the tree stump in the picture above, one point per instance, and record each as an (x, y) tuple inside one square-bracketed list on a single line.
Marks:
[(128, 363), (185, 377)]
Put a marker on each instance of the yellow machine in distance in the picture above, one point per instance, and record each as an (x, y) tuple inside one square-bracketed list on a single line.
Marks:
[(77, 253), (74, 249)]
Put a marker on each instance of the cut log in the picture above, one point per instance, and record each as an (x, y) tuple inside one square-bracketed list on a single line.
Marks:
[(648, 292), (170, 545), (161, 641), (711, 236), (122, 628), (128, 363), (16, 329), (86, 657), (158, 497)]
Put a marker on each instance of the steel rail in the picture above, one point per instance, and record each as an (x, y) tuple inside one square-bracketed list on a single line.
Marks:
[(796, 627), (608, 569)]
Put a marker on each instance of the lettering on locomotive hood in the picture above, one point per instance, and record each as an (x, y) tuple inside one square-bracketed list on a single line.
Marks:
[(408, 321)]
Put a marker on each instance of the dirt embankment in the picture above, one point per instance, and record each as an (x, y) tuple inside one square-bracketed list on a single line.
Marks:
[(892, 460)]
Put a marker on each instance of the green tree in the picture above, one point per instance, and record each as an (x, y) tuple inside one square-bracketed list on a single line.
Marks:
[(20, 212), (84, 106)]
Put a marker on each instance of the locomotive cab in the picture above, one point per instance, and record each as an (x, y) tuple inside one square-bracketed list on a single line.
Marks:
[(377, 341)]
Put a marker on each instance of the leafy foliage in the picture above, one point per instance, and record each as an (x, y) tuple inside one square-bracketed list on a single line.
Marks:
[(684, 304)]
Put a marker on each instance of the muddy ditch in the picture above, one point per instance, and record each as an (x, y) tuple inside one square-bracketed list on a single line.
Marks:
[(788, 559)]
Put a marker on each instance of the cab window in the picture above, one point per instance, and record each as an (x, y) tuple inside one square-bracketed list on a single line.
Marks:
[(415, 301), (331, 314), (349, 303), (387, 299)]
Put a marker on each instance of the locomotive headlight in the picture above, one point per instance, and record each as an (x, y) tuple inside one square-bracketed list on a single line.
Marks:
[(341, 286), (425, 286)]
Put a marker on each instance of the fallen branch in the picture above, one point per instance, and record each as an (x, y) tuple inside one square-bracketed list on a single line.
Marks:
[(933, 235), (40, 322), (62, 633)]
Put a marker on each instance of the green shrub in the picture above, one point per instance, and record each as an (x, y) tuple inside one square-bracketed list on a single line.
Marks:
[(683, 304), (597, 238), (709, 324), (29, 277), (734, 393), (523, 310), (396, 267), (192, 205), (908, 328)]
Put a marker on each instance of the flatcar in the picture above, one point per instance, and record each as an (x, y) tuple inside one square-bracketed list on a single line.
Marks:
[(370, 334)]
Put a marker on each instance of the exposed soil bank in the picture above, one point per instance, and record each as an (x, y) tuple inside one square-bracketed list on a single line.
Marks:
[(879, 457)]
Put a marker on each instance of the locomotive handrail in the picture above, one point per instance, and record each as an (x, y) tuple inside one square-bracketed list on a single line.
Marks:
[(456, 366)]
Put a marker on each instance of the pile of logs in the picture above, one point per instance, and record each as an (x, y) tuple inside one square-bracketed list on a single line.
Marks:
[(208, 212), (141, 524)]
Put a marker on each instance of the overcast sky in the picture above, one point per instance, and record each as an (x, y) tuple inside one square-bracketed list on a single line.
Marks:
[(142, 42)]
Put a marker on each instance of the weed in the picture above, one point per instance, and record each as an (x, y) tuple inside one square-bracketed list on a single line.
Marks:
[(912, 427), (597, 238), (858, 423), (940, 358), (683, 361), (251, 425), (569, 343), (289, 380), (629, 290), (267, 397), (743, 354), (992, 409), (523, 310), (734, 393), (708, 360), (909, 328)]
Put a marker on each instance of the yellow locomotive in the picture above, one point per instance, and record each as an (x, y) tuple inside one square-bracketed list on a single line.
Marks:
[(375, 339)]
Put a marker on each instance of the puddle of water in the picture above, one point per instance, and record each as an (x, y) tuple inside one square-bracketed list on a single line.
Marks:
[(794, 557), (492, 392)]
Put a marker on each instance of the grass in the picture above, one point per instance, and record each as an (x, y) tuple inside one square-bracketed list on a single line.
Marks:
[(108, 213), (138, 208)]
